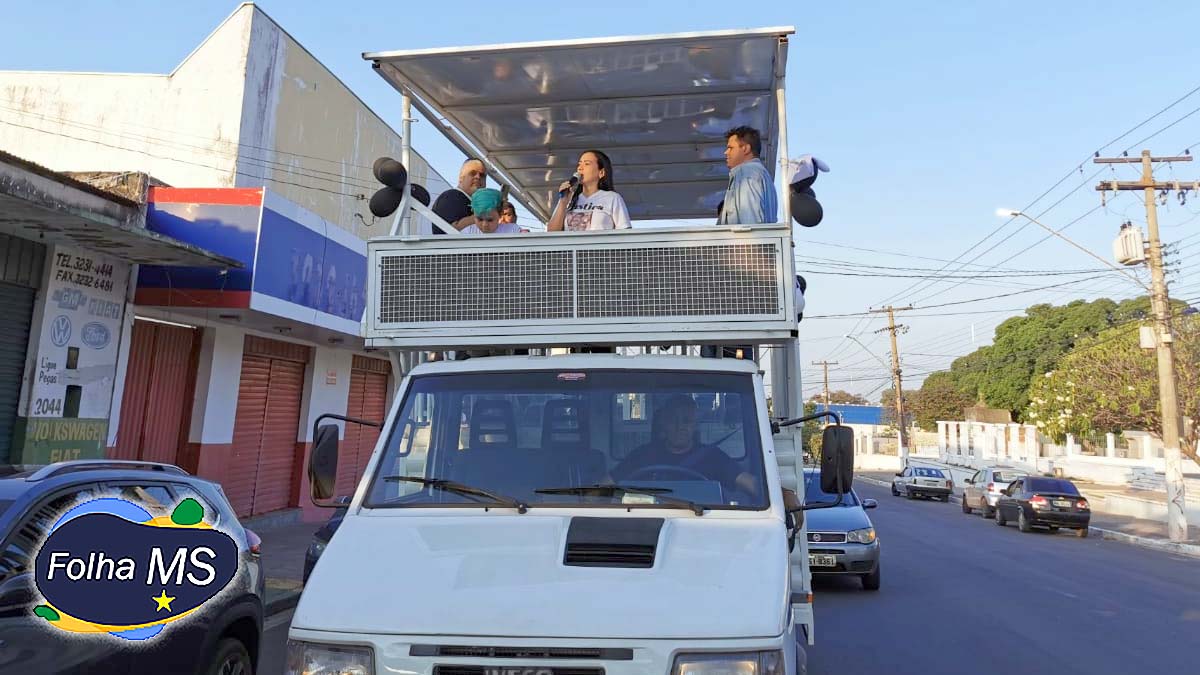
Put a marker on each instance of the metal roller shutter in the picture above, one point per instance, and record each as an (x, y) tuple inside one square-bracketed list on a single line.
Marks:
[(157, 401), (367, 401), (277, 456), (247, 432), (266, 427), (16, 306)]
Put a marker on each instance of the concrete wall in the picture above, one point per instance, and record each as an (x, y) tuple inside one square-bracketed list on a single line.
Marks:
[(181, 128), (297, 111), (248, 107)]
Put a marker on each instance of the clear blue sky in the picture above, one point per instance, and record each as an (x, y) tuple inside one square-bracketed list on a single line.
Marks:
[(931, 114)]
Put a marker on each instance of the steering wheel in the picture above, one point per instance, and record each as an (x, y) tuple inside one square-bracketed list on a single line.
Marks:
[(669, 469)]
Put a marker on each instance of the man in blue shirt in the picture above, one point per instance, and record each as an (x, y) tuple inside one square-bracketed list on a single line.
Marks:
[(749, 200), (750, 197)]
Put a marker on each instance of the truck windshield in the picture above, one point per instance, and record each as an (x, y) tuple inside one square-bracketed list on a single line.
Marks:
[(530, 436)]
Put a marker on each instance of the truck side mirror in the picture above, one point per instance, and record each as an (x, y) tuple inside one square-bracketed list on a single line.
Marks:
[(837, 459), (323, 462)]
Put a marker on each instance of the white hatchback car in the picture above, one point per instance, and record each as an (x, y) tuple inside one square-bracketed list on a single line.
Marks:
[(982, 491), (923, 481)]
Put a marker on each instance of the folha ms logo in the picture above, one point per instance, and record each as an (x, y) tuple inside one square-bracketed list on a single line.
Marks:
[(108, 566)]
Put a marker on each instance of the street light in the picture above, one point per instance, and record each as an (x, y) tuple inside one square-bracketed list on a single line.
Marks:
[(1013, 213), (860, 344)]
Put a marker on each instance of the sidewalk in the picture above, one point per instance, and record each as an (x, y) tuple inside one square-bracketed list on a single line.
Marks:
[(1147, 533), (285, 539)]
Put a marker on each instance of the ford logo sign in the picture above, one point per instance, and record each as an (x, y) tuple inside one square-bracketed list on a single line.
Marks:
[(95, 335)]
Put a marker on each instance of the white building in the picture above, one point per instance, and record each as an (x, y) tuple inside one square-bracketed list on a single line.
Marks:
[(256, 152)]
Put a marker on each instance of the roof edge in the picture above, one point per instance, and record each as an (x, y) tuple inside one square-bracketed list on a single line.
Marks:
[(780, 31)]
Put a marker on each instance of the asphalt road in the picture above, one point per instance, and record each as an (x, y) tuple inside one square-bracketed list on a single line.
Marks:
[(961, 595)]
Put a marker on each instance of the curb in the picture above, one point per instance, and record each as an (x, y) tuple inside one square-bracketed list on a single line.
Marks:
[(281, 603), (1191, 550)]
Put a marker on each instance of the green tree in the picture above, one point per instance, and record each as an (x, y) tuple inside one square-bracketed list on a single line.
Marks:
[(888, 401), (1109, 383), (938, 399), (846, 398), (1024, 347)]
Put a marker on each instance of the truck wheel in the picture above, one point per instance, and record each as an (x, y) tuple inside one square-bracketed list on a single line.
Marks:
[(870, 581), (1023, 522), (230, 658)]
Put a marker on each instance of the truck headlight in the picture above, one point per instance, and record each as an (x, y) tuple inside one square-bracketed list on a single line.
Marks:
[(863, 536), (741, 663), (311, 658)]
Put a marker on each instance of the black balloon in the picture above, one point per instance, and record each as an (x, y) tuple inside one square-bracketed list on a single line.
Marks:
[(385, 202), (806, 210), (420, 193), (390, 172)]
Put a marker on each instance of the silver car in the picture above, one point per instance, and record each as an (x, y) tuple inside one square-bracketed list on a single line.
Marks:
[(841, 539), (983, 490), (923, 481)]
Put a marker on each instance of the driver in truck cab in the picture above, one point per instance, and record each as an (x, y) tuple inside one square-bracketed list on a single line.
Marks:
[(675, 452)]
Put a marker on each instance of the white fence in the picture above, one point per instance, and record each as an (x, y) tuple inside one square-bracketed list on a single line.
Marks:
[(981, 444)]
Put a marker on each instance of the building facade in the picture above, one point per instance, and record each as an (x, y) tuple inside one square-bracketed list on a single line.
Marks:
[(259, 155)]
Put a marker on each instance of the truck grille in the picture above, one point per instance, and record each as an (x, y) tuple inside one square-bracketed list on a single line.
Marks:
[(504, 669), (522, 652), (609, 555)]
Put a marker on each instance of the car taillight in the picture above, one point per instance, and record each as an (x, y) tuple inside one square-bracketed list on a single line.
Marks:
[(991, 487), (1038, 501), (1082, 504)]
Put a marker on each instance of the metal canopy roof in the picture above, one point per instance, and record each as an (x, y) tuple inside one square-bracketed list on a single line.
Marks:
[(659, 106)]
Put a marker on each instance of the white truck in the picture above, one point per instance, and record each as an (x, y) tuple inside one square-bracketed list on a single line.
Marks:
[(579, 513)]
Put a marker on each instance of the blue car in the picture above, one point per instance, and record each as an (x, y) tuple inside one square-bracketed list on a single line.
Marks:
[(222, 638)]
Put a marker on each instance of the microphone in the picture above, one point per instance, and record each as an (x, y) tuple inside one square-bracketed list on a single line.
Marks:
[(572, 183)]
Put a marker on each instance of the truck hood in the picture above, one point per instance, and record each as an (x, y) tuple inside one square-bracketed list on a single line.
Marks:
[(503, 575)]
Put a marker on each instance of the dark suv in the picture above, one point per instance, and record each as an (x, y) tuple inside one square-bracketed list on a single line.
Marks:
[(221, 638)]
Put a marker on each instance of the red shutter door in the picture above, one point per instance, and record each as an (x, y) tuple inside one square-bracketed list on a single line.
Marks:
[(277, 454), (169, 397), (159, 384), (367, 401), (247, 432), (137, 385), (374, 409), (347, 476)]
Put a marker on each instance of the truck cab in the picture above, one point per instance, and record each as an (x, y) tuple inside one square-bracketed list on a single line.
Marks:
[(566, 511)]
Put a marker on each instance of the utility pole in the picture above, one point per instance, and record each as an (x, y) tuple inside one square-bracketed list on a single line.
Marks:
[(892, 328), (825, 365), (1164, 342)]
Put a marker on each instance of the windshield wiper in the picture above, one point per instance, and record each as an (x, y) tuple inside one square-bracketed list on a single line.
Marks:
[(612, 489), (463, 489)]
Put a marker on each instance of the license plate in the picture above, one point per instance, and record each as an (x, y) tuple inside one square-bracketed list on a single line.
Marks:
[(931, 482), (1061, 502), (822, 560)]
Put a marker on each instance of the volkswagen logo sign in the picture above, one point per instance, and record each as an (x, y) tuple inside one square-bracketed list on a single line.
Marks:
[(60, 330)]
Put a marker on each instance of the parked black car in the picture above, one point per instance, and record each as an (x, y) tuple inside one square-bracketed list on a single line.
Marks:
[(218, 639), (321, 538), (1035, 501)]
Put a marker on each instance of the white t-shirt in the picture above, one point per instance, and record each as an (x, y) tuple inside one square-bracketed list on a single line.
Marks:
[(502, 228), (604, 210)]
